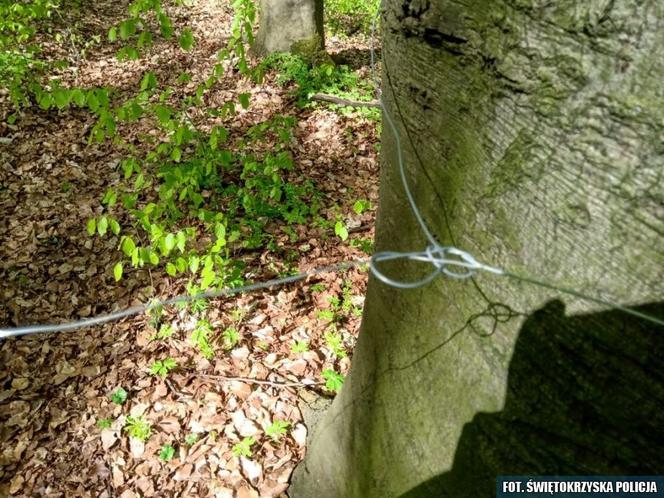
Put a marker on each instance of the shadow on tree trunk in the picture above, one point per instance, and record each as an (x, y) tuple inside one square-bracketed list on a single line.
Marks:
[(585, 396)]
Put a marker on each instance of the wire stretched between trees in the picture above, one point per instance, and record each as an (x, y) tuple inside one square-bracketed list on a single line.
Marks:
[(451, 262)]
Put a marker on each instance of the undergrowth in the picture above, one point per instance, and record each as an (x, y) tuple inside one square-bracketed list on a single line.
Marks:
[(348, 17), (337, 80), (194, 199)]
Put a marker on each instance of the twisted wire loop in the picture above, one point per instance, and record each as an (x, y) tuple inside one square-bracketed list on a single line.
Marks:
[(446, 260), (449, 261)]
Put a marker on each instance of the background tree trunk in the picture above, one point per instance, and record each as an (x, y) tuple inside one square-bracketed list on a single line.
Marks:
[(285, 22), (532, 133)]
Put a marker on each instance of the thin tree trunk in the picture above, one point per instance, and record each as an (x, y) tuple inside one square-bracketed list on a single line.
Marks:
[(532, 134), (283, 23)]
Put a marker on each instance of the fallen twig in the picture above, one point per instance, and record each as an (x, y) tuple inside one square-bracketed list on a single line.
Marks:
[(345, 102), (249, 380)]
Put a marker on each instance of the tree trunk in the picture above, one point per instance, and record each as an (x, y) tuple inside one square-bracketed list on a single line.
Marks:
[(284, 23), (532, 134)]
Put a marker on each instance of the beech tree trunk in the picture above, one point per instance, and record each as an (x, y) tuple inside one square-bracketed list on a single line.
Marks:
[(283, 23), (533, 138)]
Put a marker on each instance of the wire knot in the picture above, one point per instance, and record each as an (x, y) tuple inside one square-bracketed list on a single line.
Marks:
[(446, 260)]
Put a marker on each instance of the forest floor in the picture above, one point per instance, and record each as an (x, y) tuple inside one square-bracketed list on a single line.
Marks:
[(63, 420)]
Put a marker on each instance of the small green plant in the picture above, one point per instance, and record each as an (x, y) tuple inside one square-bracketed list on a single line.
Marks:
[(162, 368), (167, 453), (324, 78), (361, 206), (138, 428), (119, 396), (197, 305), (231, 337), (263, 345), (347, 303), (277, 429), (300, 347), (347, 17), (335, 343), (340, 230), (325, 315), (237, 315), (104, 423), (333, 380), (363, 244), (201, 338), (243, 448), (332, 313), (165, 331), (191, 439), (319, 287)]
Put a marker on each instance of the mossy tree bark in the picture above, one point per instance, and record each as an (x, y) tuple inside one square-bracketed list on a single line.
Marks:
[(284, 23), (532, 133)]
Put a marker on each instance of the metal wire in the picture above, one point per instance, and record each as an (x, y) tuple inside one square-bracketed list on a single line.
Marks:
[(136, 310)]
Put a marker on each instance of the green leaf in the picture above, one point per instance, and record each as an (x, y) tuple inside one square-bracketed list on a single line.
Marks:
[(180, 264), (127, 28), (171, 269), (361, 206), (128, 246), (153, 257), (78, 97), (117, 271), (138, 428), (167, 453), (128, 53), (181, 241), (115, 226), (340, 230), (127, 168), (277, 429), (136, 257), (243, 448), (163, 113), (186, 39), (102, 226), (93, 101), (207, 277), (61, 97), (46, 101), (92, 226), (244, 100), (149, 81), (194, 262), (104, 423), (167, 244), (113, 34), (119, 396), (144, 39), (333, 380), (165, 26), (110, 198)]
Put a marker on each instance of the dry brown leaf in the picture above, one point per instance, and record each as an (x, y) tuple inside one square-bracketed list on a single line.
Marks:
[(246, 492)]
